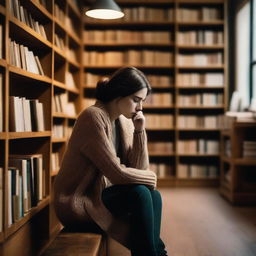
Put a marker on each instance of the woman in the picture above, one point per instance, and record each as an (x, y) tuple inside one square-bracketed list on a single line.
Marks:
[(104, 177)]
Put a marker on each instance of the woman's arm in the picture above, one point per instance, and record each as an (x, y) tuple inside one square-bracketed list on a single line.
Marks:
[(97, 147)]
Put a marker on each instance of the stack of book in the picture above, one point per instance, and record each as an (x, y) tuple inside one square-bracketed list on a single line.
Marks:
[(198, 146), (22, 57), (26, 115), (199, 14), (160, 147), (205, 37), (159, 99), (21, 13), (249, 149), (26, 185), (156, 121), (162, 170), (197, 171), (201, 79), (127, 36), (200, 59)]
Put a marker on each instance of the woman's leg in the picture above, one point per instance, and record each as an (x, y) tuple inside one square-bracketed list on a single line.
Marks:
[(144, 207), (157, 205)]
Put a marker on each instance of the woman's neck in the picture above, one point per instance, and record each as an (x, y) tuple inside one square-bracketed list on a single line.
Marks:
[(112, 110)]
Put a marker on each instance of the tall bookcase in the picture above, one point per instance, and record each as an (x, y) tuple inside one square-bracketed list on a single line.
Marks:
[(238, 179), (59, 57), (181, 45)]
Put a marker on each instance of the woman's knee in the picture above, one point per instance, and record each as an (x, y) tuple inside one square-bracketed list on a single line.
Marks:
[(141, 192), (156, 195)]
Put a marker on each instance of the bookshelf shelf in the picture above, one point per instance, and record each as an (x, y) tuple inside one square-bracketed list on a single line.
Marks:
[(35, 95), (28, 74), (22, 135), (200, 23), (138, 66), (245, 161), (141, 24), (127, 44), (58, 140), (3, 135), (42, 9), (238, 182), (201, 107), (2, 10), (3, 63), (201, 47), (168, 79), (32, 212), (202, 67)]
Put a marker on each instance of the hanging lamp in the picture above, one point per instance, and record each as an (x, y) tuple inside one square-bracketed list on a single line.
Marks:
[(105, 9)]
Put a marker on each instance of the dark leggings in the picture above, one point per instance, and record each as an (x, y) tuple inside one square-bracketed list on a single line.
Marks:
[(144, 207)]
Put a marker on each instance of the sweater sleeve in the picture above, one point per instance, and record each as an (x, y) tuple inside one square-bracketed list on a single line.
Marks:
[(138, 153), (96, 146)]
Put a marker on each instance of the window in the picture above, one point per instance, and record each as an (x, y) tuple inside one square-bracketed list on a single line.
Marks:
[(253, 50), (243, 53)]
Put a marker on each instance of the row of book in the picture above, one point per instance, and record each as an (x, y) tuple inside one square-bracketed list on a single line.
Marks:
[(162, 170), (199, 14), (201, 99), (26, 180), (155, 147), (205, 37), (62, 105), (26, 115), (133, 57), (249, 149), (22, 57), (198, 146), (91, 79), (64, 19), (200, 59), (159, 99), (58, 131), (193, 121), (55, 161), (127, 36), (197, 171), (21, 13), (59, 42), (201, 79), (70, 81), (1, 103), (143, 14), (156, 121)]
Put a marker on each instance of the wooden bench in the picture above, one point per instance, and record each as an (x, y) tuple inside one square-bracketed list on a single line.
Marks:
[(76, 244)]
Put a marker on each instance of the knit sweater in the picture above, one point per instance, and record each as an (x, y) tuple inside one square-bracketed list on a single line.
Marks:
[(89, 157)]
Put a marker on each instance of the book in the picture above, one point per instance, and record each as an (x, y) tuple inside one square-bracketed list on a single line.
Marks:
[(1, 199), (1, 103)]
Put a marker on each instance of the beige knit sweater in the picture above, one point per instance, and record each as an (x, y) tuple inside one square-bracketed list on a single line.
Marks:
[(89, 157)]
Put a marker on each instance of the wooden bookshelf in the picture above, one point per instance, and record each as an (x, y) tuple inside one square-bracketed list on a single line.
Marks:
[(178, 78), (238, 180), (62, 72)]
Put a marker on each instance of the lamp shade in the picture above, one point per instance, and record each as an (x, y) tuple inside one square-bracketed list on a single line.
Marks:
[(105, 9)]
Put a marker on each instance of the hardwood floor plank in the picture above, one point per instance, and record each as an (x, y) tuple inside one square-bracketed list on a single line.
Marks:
[(199, 222)]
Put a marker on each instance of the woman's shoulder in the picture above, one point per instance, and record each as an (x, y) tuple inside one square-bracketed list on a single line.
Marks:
[(92, 114)]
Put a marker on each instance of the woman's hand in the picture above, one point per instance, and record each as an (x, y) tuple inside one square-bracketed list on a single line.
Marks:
[(139, 121)]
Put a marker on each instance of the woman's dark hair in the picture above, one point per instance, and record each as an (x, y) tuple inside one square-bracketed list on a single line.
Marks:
[(124, 82)]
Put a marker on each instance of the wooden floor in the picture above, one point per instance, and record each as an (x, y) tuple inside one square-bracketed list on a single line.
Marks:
[(199, 222)]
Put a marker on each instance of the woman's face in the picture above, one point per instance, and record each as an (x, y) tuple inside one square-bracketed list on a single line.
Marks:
[(130, 105)]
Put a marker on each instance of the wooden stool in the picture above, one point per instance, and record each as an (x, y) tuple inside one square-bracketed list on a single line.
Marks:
[(76, 244)]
